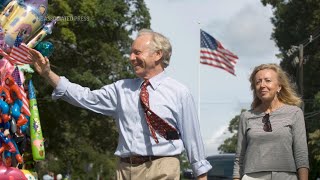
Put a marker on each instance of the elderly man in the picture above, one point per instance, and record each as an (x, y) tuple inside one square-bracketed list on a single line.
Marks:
[(155, 114)]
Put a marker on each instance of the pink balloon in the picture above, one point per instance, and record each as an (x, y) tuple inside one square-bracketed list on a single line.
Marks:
[(11, 173)]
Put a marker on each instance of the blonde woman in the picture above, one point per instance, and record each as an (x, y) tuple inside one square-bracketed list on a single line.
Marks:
[(272, 137)]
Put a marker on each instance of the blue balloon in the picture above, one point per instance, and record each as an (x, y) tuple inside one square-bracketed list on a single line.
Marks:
[(46, 48)]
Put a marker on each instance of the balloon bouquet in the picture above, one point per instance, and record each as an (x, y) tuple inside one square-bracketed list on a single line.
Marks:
[(22, 26)]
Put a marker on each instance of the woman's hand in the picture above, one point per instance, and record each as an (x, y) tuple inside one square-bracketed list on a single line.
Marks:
[(202, 177), (303, 173)]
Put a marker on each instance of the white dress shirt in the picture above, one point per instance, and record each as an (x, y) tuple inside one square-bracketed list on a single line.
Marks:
[(168, 98)]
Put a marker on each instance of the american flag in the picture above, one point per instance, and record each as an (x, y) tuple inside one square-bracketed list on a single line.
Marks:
[(212, 53), (6, 56), (21, 54), (25, 103)]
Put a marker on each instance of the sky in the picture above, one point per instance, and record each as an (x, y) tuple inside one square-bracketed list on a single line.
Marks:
[(243, 27)]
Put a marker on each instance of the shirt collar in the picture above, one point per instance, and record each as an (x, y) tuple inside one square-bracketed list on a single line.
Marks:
[(254, 114), (156, 80)]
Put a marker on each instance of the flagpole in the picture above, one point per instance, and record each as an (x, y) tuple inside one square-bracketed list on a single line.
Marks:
[(199, 78)]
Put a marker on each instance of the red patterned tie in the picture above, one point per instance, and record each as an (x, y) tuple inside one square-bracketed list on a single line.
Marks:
[(154, 122)]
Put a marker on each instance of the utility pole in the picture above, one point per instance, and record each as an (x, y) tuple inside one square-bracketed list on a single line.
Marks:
[(301, 62)]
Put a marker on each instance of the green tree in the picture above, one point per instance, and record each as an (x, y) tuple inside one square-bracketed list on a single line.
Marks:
[(92, 44), (298, 22), (314, 137), (230, 144)]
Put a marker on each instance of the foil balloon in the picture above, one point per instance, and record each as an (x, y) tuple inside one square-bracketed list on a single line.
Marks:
[(3, 44), (8, 12), (13, 126), (43, 33), (9, 173), (25, 128), (45, 48), (37, 145), (40, 5), (23, 19), (28, 174)]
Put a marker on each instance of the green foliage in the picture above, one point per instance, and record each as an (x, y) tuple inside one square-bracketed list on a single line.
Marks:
[(234, 123), (92, 41), (316, 103), (68, 36), (230, 144), (295, 22), (314, 150), (314, 142), (184, 162)]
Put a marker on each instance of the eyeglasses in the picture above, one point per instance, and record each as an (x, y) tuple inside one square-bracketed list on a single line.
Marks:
[(267, 125)]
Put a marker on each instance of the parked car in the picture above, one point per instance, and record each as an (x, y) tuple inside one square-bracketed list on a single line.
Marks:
[(188, 174), (222, 167)]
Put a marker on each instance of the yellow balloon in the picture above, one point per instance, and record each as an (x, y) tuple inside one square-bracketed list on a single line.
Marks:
[(8, 12), (24, 22), (28, 174)]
